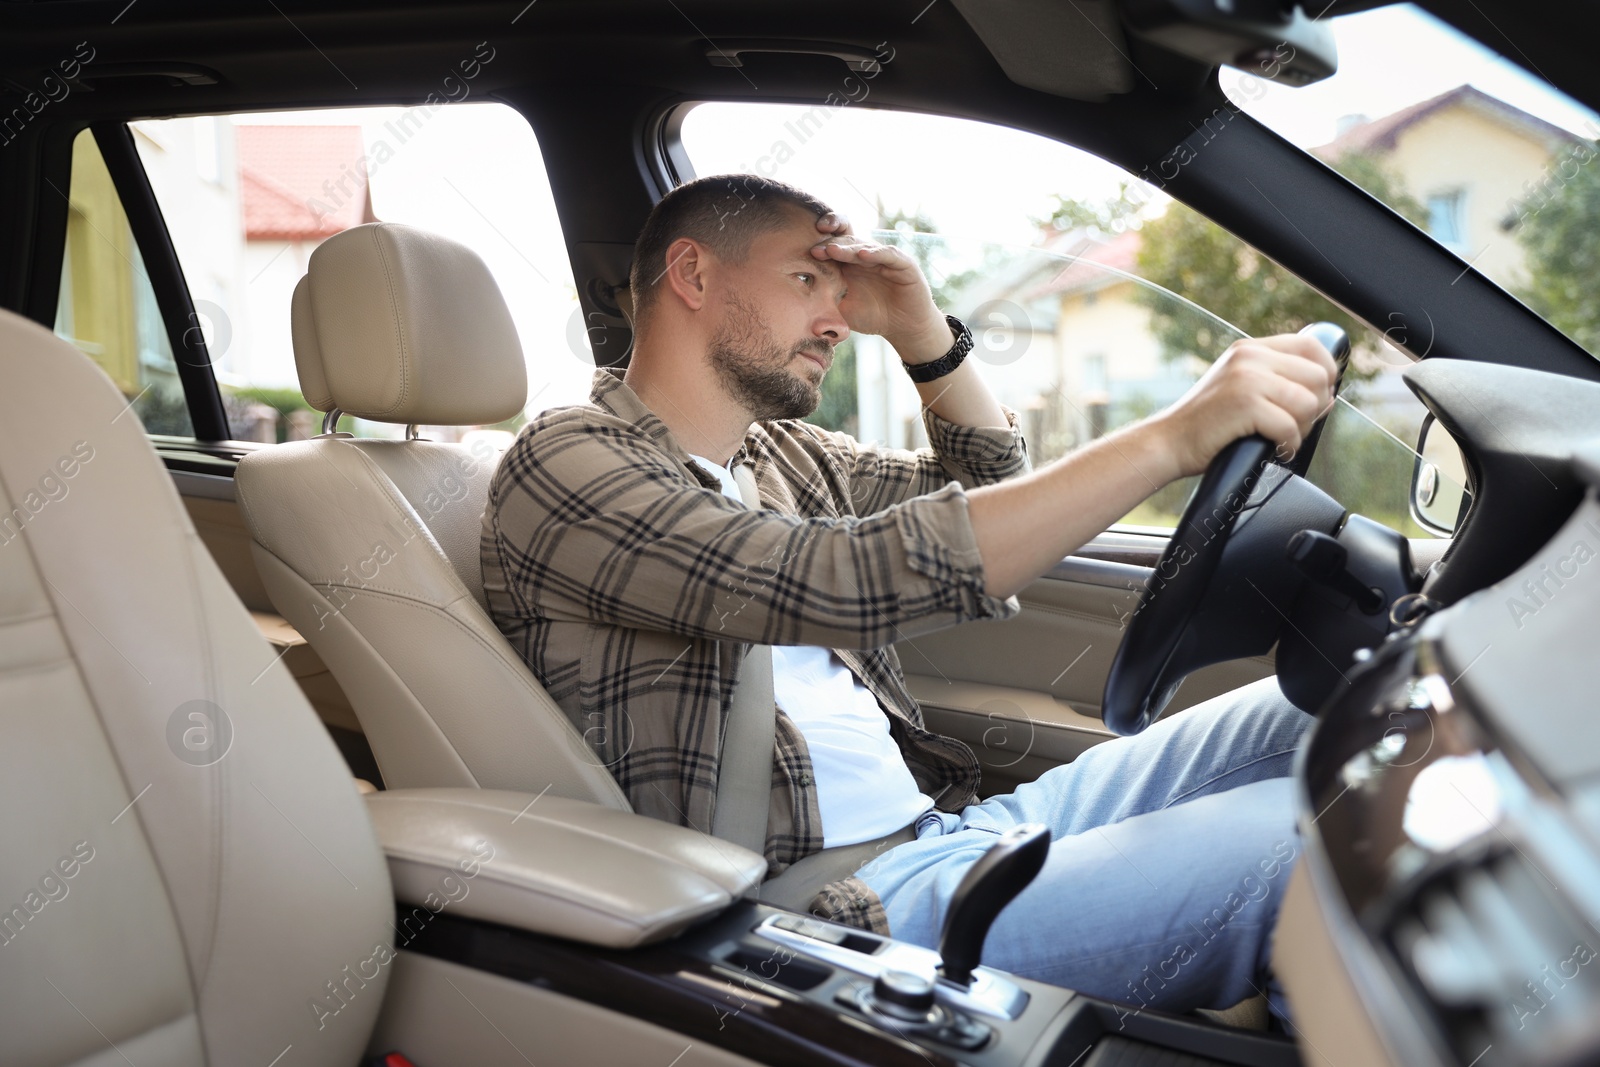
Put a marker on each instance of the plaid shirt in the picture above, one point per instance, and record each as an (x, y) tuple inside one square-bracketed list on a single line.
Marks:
[(633, 588)]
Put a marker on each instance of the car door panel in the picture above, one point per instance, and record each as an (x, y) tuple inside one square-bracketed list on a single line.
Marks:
[(1025, 692)]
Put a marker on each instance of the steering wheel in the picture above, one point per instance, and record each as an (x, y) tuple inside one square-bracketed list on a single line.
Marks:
[(1144, 673)]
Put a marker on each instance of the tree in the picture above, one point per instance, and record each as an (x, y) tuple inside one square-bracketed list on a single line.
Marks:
[(1104, 217), (1189, 254), (1557, 232)]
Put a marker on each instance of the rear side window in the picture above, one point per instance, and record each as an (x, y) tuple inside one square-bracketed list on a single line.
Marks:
[(248, 198), (107, 307)]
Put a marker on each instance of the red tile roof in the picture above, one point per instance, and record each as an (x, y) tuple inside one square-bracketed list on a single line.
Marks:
[(1086, 270), (1381, 135), (289, 181)]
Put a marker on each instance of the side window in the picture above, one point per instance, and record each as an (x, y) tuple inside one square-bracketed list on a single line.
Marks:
[(1095, 300), (248, 198), (106, 305), (1057, 314)]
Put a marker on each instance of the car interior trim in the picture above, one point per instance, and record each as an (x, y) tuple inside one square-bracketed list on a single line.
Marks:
[(189, 352)]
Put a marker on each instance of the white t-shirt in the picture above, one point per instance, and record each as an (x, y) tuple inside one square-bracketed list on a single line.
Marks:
[(864, 788)]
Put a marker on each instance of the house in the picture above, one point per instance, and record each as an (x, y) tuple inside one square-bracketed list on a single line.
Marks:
[(298, 186), (1469, 158)]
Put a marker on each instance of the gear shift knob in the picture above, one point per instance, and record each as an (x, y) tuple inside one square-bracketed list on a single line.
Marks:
[(1003, 872)]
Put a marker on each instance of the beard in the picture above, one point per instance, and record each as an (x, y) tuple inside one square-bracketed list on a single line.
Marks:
[(755, 368)]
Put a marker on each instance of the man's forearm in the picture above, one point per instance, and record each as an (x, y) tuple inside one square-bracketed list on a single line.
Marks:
[(961, 396), (1027, 524)]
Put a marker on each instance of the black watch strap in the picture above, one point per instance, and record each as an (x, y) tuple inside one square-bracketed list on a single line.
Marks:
[(927, 372)]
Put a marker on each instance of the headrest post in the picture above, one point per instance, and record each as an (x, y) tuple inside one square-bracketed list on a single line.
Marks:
[(330, 421), (411, 431)]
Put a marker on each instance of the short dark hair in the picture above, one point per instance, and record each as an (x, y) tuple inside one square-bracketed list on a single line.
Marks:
[(724, 212)]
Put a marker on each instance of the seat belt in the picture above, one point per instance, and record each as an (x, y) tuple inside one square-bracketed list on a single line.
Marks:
[(744, 765), (744, 777)]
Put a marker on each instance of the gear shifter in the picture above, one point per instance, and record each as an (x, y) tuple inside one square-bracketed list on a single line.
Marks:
[(1003, 872)]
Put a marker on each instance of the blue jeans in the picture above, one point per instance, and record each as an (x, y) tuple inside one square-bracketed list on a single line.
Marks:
[(1169, 854)]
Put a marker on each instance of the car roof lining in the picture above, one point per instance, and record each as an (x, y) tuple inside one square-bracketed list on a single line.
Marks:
[(343, 53)]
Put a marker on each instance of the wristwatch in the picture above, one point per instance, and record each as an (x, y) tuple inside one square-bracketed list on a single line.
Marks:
[(927, 372)]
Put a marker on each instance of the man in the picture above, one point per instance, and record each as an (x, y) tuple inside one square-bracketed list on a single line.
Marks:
[(620, 560)]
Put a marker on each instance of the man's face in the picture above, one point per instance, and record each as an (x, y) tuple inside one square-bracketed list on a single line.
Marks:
[(779, 321)]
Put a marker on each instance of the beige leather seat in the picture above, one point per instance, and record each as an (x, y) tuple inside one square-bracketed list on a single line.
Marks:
[(370, 547), (185, 858), (187, 874)]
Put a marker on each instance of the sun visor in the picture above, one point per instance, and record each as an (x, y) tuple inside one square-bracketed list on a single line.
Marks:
[(1074, 50)]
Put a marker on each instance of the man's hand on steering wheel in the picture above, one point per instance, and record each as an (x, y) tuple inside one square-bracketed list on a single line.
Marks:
[(1259, 394), (1275, 386)]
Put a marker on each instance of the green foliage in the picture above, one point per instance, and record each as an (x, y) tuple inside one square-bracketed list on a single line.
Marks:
[(235, 399), (1362, 468), (1182, 251), (1189, 254), (838, 409), (1164, 506), (284, 400), (1110, 216), (1562, 247), (163, 410), (945, 286), (840, 396)]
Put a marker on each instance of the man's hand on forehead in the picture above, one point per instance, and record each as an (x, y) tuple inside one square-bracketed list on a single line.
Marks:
[(886, 292)]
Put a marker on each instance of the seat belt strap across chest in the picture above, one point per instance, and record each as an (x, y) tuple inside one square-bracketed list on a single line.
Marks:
[(744, 766)]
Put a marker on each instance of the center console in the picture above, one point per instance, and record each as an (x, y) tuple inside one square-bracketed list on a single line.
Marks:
[(785, 989), (653, 924)]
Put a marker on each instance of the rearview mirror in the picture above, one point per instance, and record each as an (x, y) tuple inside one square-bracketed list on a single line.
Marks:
[(1439, 497), (1273, 39)]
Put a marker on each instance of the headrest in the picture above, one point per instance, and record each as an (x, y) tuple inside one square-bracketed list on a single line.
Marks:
[(395, 324)]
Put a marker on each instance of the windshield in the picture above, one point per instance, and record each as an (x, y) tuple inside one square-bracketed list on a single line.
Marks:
[(1492, 161)]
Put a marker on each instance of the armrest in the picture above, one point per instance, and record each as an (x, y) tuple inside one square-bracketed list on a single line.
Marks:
[(555, 866)]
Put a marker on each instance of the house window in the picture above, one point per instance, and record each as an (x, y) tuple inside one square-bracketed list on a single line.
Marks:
[(1094, 373), (1445, 220)]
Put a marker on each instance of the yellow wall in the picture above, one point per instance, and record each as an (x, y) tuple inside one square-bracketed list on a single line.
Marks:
[(1112, 324), (98, 314), (1460, 148)]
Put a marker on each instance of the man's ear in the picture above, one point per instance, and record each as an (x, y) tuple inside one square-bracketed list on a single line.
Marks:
[(685, 270)]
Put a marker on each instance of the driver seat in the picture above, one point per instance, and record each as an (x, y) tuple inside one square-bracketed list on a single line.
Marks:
[(370, 547)]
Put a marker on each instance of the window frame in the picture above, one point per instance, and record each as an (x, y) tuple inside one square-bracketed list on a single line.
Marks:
[(191, 358), (149, 226)]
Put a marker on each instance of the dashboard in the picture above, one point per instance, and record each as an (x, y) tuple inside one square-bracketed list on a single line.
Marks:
[(1448, 906)]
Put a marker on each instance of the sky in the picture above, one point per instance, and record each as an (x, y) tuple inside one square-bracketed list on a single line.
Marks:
[(473, 171), (1391, 58)]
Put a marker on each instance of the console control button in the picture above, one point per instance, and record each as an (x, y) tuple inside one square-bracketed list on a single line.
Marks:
[(903, 995), (828, 933)]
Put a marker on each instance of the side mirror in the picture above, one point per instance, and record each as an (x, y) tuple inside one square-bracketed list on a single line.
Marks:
[(1439, 497)]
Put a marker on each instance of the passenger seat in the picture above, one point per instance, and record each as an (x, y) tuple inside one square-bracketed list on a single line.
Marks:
[(370, 547)]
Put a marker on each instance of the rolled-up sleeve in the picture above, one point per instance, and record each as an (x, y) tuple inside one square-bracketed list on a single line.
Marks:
[(592, 530), (941, 545), (880, 477)]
